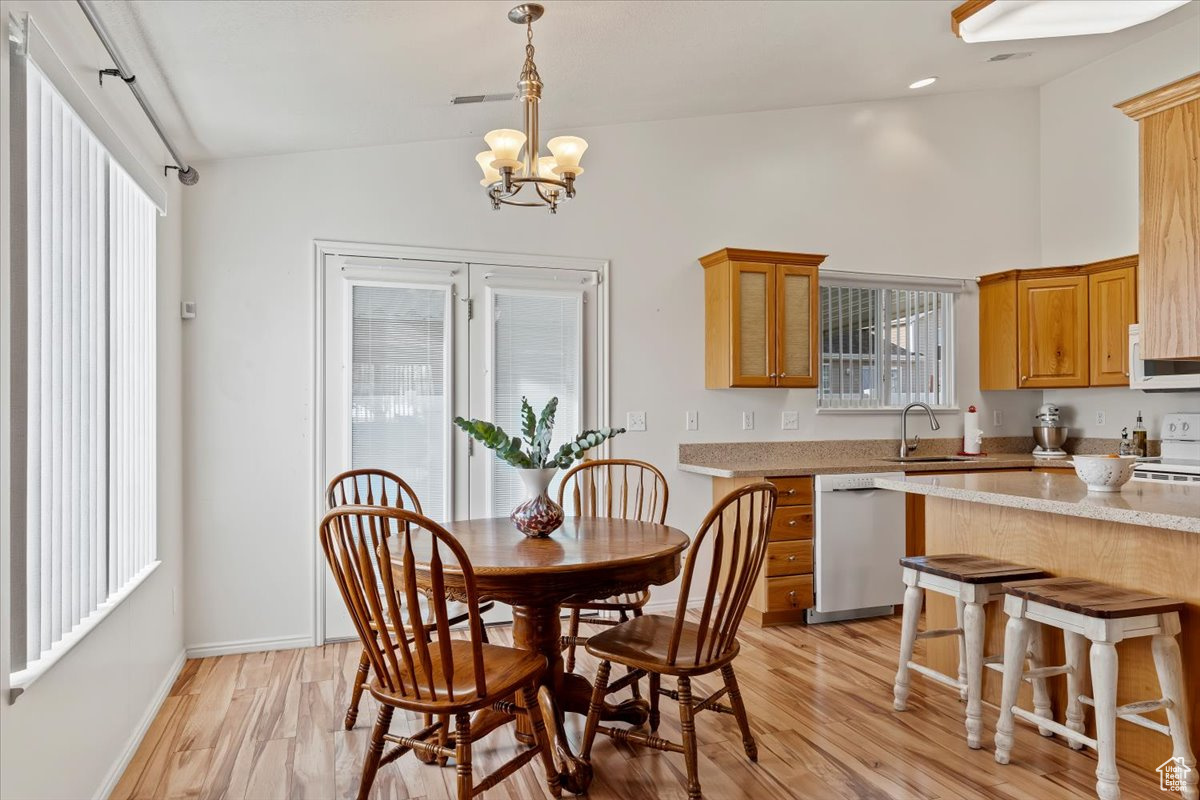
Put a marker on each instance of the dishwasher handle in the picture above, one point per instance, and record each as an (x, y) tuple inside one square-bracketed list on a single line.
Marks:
[(857, 489)]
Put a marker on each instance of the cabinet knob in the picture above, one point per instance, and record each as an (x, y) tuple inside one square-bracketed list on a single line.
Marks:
[(1024, 378), (792, 597), (783, 374), (792, 557), (772, 375), (792, 523), (789, 493)]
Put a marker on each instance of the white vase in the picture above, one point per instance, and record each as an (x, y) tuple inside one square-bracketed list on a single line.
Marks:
[(538, 516)]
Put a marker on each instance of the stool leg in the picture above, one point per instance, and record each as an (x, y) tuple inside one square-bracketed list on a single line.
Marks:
[(962, 649), (1170, 678), (1037, 659), (908, 638), (1016, 645), (1104, 692), (972, 644), (1077, 659)]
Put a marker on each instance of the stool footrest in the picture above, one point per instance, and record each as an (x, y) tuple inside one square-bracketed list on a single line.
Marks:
[(1029, 674), (1132, 712), (937, 633), (934, 675), (1054, 727)]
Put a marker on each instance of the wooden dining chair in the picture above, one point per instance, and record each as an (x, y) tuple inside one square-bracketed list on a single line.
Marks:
[(417, 663), (378, 487), (736, 531), (619, 489)]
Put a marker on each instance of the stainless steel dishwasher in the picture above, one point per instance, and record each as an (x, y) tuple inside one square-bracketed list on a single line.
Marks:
[(858, 542)]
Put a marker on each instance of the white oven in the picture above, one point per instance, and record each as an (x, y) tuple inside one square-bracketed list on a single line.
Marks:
[(1180, 459), (1156, 374)]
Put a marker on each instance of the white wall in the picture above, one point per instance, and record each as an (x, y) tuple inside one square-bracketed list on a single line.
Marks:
[(67, 734), (1089, 187), (942, 185)]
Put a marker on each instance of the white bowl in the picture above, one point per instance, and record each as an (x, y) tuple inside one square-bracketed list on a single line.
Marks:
[(1104, 473)]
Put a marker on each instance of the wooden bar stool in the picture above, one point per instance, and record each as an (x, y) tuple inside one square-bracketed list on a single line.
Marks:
[(973, 582), (1088, 611)]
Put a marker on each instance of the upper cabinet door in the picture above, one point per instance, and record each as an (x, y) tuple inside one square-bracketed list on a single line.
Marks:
[(1111, 309), (798, 316), (1052, 332), (752, 324)]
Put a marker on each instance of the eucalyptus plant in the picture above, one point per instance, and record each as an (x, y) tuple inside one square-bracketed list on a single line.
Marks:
[(533, 451)]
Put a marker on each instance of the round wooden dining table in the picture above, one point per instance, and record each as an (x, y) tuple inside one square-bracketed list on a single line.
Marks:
[(586, 559)]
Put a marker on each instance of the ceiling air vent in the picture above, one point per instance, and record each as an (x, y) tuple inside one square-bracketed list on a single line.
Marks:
[(464, 99), (1009, 56)]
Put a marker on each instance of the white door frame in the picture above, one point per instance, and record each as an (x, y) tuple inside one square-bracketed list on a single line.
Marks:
[(329, 247)]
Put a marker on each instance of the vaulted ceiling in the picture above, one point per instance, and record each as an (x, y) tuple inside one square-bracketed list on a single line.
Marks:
[(249, 78)]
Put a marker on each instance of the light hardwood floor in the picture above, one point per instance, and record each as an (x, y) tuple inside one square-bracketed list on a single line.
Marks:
[(269, 725)]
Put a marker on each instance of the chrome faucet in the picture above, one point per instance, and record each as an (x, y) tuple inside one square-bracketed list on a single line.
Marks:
[(905, 447)]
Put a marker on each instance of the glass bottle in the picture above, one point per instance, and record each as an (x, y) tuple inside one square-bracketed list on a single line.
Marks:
[(1139, 437), (1126, 447)]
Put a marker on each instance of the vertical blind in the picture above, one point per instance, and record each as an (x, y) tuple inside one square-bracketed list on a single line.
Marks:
[(89, 412), (885, 347), (537, 341), (399, 415)]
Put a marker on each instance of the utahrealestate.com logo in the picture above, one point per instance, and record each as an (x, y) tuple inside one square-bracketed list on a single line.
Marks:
[(1172, 774)]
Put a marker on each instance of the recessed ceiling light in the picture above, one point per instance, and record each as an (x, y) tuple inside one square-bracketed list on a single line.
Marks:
[(1007, 20), (921, 84)]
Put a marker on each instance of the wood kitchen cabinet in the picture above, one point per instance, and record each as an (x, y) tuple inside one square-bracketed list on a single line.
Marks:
[(1169, 240), (761, 319), (1057, 327)]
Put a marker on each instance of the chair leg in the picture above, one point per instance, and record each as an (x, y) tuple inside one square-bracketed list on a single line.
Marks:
[(635, 688), (443, 736), (360, 679), (1104, 694), (572, 632), (594, 709), (542, 736), (739, 711), (374, 751), (687, 724), (1170, 678), (462, 755), (972, 645), (1016, 645), (908, 638), (1041, 694), (1077, 660), (655, 683), (483, 634)]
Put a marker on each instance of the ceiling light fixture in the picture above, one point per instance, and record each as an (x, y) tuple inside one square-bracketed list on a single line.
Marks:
[(1006, 20), (547, 180), (921, 84)]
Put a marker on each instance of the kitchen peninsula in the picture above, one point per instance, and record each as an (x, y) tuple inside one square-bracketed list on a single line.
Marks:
[(1145, 537)]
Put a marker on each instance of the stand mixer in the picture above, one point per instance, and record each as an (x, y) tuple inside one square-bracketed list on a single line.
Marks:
[(1048, 434)]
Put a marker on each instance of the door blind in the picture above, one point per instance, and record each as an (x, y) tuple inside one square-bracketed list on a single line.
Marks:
[(537, 351), (399, 414)]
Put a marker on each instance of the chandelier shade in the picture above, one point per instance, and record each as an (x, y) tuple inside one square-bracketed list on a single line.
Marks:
[(514, 173)]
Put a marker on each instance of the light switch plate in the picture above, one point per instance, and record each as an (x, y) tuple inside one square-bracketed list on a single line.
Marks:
[(747, 420), (635, 421), (997, 419), (187, 309), (691, 421), (790, 421)]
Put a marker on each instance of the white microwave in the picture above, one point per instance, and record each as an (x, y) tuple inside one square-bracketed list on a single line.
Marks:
[(1159, 375)]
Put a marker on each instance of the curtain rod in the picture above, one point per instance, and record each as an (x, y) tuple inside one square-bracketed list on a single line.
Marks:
[(187, 174)]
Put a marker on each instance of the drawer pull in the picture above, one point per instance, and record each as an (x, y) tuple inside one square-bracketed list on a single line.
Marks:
[(792, 597), (790, 492), (792, 557), (792, 522)]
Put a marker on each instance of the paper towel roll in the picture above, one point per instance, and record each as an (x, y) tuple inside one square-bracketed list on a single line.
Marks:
[(972, 433)]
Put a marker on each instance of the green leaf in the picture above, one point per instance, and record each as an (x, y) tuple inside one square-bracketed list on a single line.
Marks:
[(529, 423)]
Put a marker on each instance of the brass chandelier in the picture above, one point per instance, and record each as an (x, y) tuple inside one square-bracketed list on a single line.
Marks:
[(532, 181)]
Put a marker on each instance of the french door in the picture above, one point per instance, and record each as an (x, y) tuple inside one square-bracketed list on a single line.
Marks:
[(409, 344)]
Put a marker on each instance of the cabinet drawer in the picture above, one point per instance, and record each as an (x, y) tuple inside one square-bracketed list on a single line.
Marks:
[(792, 522), (794, 491), (789, 557), (789, 593)]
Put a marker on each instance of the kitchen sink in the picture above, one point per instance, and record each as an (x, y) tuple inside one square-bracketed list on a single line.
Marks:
[(920, 459)]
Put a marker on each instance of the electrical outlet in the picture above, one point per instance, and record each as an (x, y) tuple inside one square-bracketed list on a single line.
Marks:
[(790, 421), (691, 421), (997, 419), (635, 421), (1099, 417), (747, 420)]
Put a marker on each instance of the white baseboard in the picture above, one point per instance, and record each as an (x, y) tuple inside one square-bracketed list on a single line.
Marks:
[(248, 646), (669, 606), (135, 739)]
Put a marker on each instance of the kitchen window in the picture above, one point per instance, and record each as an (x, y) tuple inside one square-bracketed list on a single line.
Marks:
[(83, 397), (886, 342)]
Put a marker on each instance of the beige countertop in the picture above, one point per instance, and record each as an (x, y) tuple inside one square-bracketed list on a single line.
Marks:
[(789, 466), (1174, 506)]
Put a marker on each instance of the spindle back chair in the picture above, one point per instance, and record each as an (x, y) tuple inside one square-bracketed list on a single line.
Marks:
[(735, 532), (617, 489), (382, 559)]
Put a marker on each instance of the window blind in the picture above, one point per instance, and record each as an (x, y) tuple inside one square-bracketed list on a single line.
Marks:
[(537, 341), (885, 347), (88, 410), (399, 416)]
